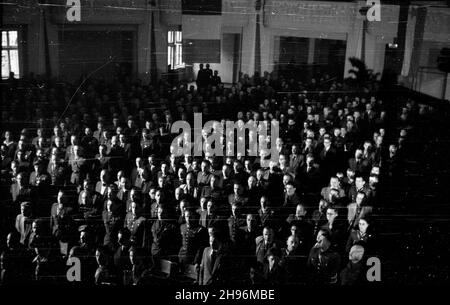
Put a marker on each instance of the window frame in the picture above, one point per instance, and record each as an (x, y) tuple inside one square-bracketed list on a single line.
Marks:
[(18, 48), (175, 49)]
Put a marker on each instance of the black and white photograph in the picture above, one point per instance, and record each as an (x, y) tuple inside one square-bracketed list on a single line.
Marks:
[(225, 151)]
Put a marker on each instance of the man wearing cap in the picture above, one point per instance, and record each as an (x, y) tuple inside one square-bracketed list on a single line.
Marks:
[(38, 176), (89, 201), (86, 240), (57, 171)]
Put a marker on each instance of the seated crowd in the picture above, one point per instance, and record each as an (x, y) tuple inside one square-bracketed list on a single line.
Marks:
[(96, 177)]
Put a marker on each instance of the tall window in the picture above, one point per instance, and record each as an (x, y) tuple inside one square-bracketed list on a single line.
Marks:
[(175, 49), (10, 54)]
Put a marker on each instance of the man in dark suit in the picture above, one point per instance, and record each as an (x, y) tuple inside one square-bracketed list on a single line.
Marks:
[(209, 217), (360, 186), (290, 200), (261, 182), (323, 261), (274, 273), (246, 240), (253, 193), (89, 143), (274, 178), (293, 261), (358, 164), (263, 244), (333, 192), (121, 258), (129, 152), (357, 210), (304, 225), (308, 178), (61, 221), (57, 171), (296, 160), (101, 187), (327, 157), (335, 227), (100, 162), (235, 222), (215, 265), (116, 155), (201, 76)]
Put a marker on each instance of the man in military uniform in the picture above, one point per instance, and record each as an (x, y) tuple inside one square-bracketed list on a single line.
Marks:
[(89, 201), (238, 195), (165, 235), (235, 222), (111, 194), (194, 238), (57, 171), (136, 223), (212, 190), (112, 220), (62, 223), (78, 165), (267, 216)]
